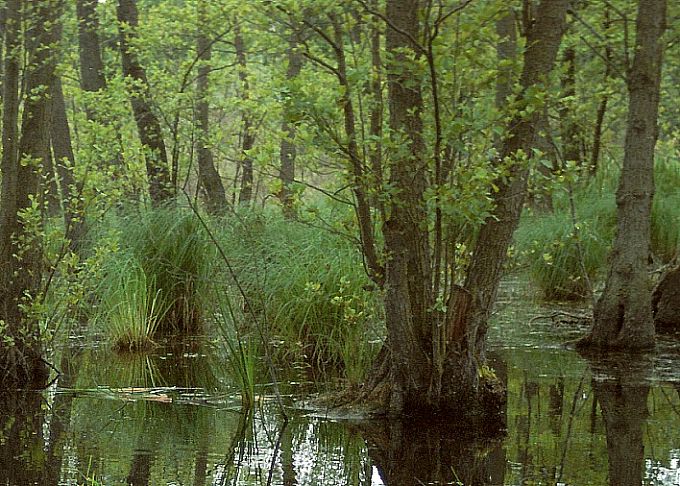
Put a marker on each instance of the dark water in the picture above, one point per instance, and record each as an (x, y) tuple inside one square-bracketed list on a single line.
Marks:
[(174, 419)]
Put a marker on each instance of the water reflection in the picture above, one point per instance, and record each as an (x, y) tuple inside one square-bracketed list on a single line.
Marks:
[(622, 392), (174, 418), (22, 457), (433, 453)]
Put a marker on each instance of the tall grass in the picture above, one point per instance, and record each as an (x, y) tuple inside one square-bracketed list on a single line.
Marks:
[(309, 287), (130, 308), (155, 271)]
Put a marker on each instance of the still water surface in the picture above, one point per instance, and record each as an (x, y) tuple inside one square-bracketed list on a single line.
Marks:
[(174, 419)]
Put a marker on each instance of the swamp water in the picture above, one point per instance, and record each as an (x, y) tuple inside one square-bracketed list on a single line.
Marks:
[(173, 418)]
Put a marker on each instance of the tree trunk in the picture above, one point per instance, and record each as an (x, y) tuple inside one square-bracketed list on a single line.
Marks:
[(571, 142), (208, 175), (407, 273), (604, 100), (158, 175), (20, 361), (91, 65), (376, 118), (623, 314), (544, 34), (362, 208), (288, 150), (92, 77), (64, 162), (247, 130), (10, 119), (434, 361)]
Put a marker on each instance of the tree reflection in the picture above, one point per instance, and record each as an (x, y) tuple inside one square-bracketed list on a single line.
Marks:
[(22, 459), (433, 453), (622, 394)]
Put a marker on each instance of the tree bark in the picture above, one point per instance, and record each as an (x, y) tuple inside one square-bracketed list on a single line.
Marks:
[(544, 34), (623, 314), (64, 162), (208, 175), (91, 64), (247, 130), (10, 166), (158, 175), (407, 272)]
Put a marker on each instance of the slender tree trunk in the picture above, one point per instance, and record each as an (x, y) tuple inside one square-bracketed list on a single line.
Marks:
[(157, 171), (208, 175), (64, 162), (247, 130), (604, 99), (376, 117), (92, 69), (288, 150), (362, 208), (623, 314), (571, 143), (21, 362), (91, 64)]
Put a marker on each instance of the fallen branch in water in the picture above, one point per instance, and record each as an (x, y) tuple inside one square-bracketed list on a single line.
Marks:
[(563, 317)]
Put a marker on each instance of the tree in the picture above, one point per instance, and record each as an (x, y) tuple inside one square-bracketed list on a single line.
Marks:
[(434, 360), (623, 314), (207, 172), (148, 125), (247, 129), (21, 362), (288, 149)]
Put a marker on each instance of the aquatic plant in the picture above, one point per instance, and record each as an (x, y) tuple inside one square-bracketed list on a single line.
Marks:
[(130, 309)]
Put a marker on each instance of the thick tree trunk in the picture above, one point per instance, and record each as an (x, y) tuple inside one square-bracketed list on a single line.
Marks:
[(623, 314), (288, 149), (157, 171), (247, 130), (208, 175), (20, 361), (434, 362), (407, 273)]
